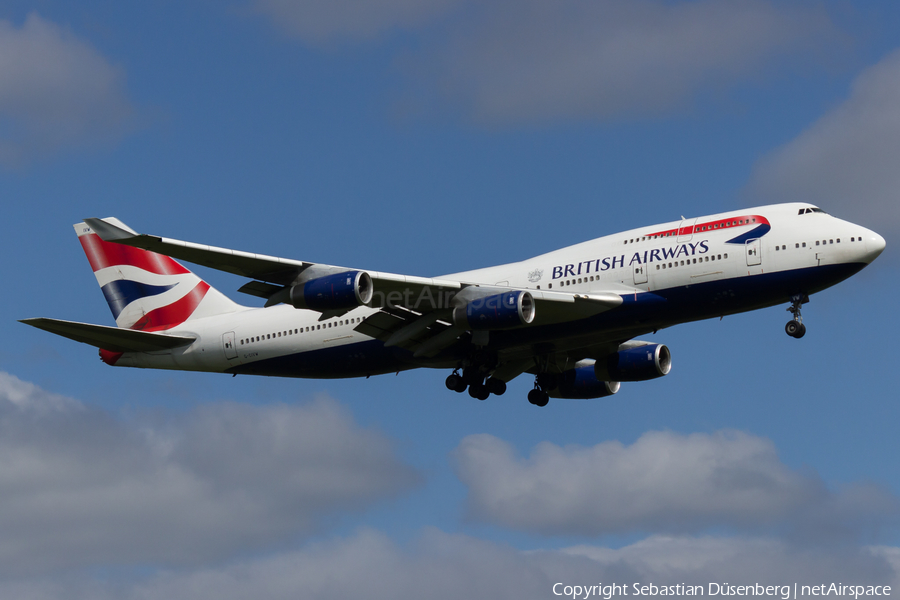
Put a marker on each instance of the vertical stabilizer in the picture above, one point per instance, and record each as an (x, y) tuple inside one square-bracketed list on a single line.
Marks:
[(145, 290)]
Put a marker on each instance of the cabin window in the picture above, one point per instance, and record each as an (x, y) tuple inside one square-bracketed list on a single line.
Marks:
[(804, 244), (839, 240)]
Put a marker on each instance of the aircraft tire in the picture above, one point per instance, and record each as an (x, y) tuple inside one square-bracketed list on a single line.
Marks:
[(479, 391), (452, 382), (538, 397), (496, 386), (793, 328)]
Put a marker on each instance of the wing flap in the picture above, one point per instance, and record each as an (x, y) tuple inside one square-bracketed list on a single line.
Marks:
[(113, 339)]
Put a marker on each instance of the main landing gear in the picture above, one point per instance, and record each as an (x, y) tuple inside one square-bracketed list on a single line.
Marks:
[(539, 396), (795, 327), (474, 380)]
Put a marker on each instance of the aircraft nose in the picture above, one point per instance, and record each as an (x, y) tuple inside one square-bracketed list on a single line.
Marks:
[(874, 246)]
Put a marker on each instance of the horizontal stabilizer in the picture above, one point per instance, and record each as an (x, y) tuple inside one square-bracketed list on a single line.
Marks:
[(113, 339)]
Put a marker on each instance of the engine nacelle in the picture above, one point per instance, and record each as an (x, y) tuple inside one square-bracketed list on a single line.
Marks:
[(333, 292), (581, 383), (635, 364), (499, 311)]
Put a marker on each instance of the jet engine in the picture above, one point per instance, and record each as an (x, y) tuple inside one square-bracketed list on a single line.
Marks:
[(338, 291), (579, 383), (498, 311), (638, 363)]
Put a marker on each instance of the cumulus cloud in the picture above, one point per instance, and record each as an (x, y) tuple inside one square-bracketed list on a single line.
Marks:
[(441, 566), (56, 91), (516, 61), (663, 482), (323, 21), (845, 161), (80, 487), (529, 60)]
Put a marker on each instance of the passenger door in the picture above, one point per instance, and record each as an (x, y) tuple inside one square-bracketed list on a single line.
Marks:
[(753, 256), (640, 274), (228, 345)]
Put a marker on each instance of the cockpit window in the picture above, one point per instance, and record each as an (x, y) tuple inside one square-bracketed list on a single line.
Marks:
[(811, 210)]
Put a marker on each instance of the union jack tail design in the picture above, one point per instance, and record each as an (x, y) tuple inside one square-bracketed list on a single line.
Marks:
[(145, 290)]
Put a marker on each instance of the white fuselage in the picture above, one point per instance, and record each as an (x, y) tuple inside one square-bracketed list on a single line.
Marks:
[(703, 267)]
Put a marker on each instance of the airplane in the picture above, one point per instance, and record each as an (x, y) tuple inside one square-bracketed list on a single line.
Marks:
[(569, 317)]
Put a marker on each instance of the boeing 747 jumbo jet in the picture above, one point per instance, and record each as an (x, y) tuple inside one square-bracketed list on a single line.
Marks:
[(567, 317)]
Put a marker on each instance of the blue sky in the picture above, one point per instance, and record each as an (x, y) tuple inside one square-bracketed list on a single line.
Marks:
[(429, 138)]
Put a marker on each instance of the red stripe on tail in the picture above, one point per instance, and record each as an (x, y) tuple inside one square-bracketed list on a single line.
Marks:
[(108, 254), (167, 317)]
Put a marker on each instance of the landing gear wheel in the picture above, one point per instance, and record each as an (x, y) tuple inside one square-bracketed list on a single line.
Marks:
[(496, 386), (795, 329), (792, 327), (455, 382), (538, 397), (479, 391), (452, 381)]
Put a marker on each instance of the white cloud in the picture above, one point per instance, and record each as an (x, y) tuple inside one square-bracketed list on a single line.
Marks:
[(663, 482), (324, 21), (845, 161), (56, 91), (530, 60), (441, 566), (81, 488), (219, 496), (515, 61)]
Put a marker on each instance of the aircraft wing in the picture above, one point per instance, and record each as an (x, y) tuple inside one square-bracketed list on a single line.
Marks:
[(415, 311), (114, 339)]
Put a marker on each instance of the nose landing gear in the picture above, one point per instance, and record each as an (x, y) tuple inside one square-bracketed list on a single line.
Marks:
[(795, 327)]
